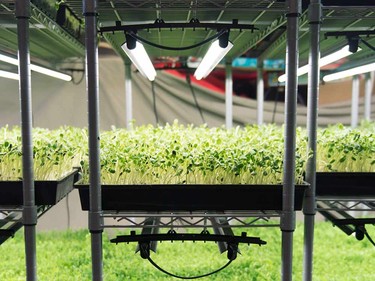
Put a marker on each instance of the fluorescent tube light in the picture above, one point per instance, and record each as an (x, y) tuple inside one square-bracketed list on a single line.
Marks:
[(141, 60), (9, 75), (350, 72), (213, 56), (342, 53), (39, 69)]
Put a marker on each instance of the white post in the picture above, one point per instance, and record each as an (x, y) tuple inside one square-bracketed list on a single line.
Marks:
[(368, 91), (260, 95), (128, 96), (228, 95), (355, 101)]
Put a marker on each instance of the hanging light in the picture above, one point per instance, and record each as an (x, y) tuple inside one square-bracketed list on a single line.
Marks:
[(342, 53), (137, 54), (9, 75), (217, 51), (39, 69), (350, 72)]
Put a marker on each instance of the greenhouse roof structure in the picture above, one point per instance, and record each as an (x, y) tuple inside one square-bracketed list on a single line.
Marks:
[(57, 32)]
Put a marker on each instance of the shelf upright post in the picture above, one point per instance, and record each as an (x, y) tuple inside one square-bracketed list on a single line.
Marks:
[(128, 96), (355, 101), (228, 95), (368, 91), (92, 88), (309, 207), (288, 216), (260, 93), (29, 212)]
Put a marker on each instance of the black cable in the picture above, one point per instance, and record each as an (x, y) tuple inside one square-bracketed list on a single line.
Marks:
[(221, 32), (188, 80), (368, 236), (275, 106), (154, 101), (188, 277), (368, 44), (80, 80)]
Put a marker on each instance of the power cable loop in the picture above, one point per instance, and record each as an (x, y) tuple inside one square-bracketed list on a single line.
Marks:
[(143, 40)]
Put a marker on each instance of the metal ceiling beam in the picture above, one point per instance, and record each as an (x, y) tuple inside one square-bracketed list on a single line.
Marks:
[(281, 40), (40, 17), (264, 33)]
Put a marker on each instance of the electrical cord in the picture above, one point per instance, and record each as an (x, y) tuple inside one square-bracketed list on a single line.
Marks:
[(217, 35), (188, 277), (188, 80), (154, 101), (368, 236)]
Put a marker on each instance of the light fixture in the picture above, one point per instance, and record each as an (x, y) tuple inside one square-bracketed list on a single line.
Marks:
[(137, 54), (9, 75), (39, 69), (342, 53), (350, 72), (218, 49)]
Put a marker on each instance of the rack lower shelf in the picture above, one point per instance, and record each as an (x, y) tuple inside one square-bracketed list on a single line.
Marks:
[(46, 192), (190, 197), (344, 185)]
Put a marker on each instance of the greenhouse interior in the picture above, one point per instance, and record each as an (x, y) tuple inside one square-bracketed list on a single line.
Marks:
[(187, 139)]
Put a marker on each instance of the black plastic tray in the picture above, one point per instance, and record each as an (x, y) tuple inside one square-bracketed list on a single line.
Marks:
[(46, 192), (344, 185), (190, 197)]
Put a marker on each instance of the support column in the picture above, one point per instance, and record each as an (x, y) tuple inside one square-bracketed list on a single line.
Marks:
[(288, 219), (228, 95), (92, 87), (128, 96), (29, 212), (309, 208), (355, 101), (368, 92), (260, 94)]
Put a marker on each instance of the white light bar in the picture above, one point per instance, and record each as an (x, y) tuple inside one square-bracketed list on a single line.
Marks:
[(39, 69), (141, 60), (342, 53), (350, 72), (9, 75), (213, 56)]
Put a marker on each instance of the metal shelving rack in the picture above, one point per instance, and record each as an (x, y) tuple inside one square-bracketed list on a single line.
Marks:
[(287, 215), (96, 215), (11, 220)]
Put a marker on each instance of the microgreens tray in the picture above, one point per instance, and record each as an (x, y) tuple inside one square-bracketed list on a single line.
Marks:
[(341, 185), (191, 197), (47, 192)]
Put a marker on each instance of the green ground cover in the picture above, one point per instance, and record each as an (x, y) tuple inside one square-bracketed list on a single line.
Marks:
[(65, 256)]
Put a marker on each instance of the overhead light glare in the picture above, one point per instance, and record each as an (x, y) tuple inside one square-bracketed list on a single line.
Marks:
[(139, 58), (342, 53), (39, 69), (213, 56), (350, 72), (9, 75)]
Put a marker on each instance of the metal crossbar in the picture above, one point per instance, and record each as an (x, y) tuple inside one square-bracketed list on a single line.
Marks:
[(191, 220)]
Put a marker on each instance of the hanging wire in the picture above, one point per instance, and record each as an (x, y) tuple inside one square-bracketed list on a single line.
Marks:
[(188, 80), (187, 277), (154, 101), (217, 35), (368, 236)]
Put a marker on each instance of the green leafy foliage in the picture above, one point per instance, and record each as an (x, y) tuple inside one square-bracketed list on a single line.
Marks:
[(344, 149), (55, 152), (178, 154)]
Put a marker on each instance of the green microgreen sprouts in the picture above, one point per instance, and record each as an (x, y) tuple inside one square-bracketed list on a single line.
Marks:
[(178, 154), (55, 152)]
